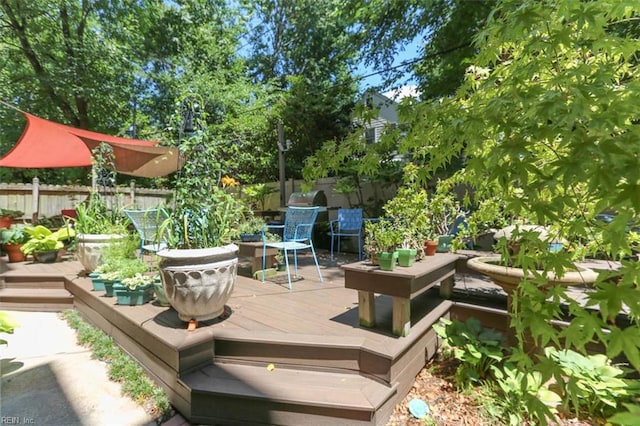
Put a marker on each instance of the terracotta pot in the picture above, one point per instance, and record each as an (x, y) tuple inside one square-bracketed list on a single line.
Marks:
[(430, 248), (199, 282), (14, 253), (6, 221)]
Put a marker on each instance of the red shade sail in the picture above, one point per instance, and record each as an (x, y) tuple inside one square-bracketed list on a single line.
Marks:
[(46, 144)]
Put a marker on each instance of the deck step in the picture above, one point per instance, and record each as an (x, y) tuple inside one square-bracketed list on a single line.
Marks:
[(224, 393), (45, 281), (35, 299)]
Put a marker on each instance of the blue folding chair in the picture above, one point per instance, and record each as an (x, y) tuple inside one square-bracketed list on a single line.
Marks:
[(296, 235), (147, 222), (348, 224)]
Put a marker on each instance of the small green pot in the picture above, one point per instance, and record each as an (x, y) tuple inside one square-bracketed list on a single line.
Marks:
[(108, 287), (444, 243), (406, 257), (161, 297), (387, 261), (96, 281), (139, 296)]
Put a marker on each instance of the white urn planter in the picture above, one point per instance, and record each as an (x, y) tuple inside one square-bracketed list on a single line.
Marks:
[(199, 282), (91, 247), (509, 277)]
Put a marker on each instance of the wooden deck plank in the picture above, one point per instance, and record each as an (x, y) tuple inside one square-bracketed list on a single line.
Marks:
[(313, 329)]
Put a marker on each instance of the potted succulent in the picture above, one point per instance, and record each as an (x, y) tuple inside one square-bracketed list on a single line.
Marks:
[(44, 243), (199, 266), (135, 290), (408, 250), (114, 272), (13, 238), (118, 260), (7, 216)]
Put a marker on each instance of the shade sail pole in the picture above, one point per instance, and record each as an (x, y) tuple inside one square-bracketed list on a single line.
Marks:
[(35, 195)]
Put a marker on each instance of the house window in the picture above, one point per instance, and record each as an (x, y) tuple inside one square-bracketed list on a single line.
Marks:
[(370, 135), (368, 102)]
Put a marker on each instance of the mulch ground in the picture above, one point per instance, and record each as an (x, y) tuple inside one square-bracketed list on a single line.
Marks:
[(448, 406)]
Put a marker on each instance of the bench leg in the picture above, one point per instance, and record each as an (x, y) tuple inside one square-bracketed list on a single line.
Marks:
[(446, 288), (401, 316), (366, 308)]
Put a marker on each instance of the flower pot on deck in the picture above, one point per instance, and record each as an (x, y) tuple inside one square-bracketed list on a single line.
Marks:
[(14, 253), (97, 282), (430, 248), (406, 257), (91, 246), (199, 282), (138, 296), (49, 256), (387, 261)]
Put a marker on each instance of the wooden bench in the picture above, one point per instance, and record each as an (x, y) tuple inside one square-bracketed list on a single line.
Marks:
[(403, 284)]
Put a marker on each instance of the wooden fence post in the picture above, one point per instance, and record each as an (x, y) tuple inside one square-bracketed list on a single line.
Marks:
[(132, 192), (35, 194)]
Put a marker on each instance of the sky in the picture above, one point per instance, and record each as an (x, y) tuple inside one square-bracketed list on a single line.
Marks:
[(409, 52)]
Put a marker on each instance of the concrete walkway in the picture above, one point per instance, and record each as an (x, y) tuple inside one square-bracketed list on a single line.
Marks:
[(48, 379)]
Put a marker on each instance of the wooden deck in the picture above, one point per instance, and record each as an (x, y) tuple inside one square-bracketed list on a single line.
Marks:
[(328, 369)]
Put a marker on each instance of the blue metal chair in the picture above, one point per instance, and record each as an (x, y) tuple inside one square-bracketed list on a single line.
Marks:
[(147, 222), (296, 235), (348, 224)]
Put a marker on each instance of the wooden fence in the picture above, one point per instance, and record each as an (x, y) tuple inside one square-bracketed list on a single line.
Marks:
[(43, 201), (38, 200)]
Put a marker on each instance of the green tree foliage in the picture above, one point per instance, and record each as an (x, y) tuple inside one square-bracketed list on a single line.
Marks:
[(547, 121), (118, 66), (445, 28), (302, 48)]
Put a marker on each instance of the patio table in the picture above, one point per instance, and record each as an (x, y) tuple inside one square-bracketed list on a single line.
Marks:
[(402, 284)]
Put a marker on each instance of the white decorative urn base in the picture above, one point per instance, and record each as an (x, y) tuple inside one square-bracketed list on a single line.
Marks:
[(198, 282), (91, 246)]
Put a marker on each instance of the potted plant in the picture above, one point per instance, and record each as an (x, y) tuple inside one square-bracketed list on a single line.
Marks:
[(13, 238), (97, 226), (135, 290), (199, 266), (445, 214), (118, 260), (407, 252), (117, 270), (7, 216), (384, 236), (250, 229), (44, 244), (96, 223)]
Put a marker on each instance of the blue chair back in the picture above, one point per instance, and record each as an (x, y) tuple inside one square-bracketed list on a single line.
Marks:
[(147, 222), (349, 220), (298, 223)]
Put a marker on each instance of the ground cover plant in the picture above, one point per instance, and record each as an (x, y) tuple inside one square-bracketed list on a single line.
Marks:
[(122, 368)]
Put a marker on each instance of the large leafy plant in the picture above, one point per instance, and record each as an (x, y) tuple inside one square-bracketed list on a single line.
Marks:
[(205, 213), (94, 216), (477, 348), (43, 239)]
